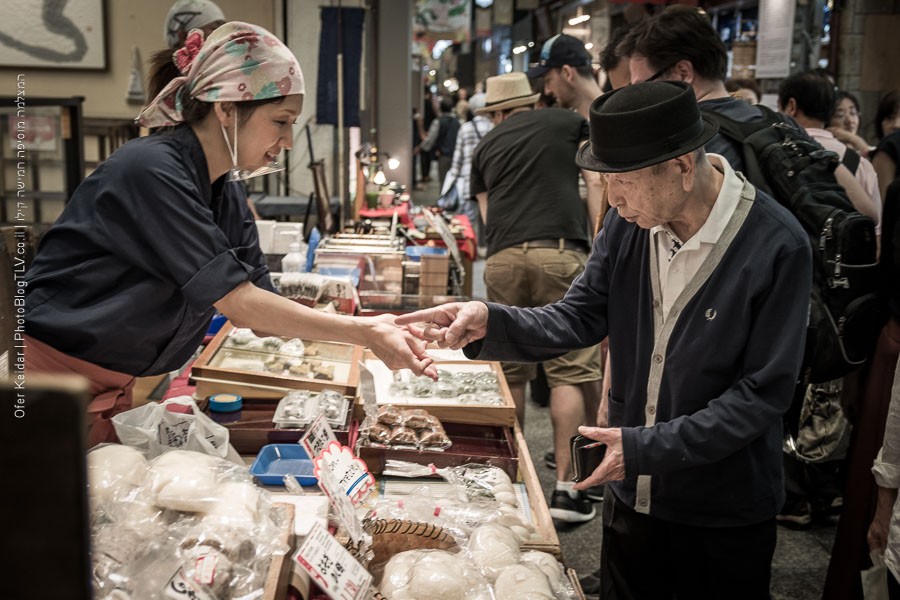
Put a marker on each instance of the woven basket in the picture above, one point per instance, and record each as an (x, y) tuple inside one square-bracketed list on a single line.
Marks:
[(392, 536)]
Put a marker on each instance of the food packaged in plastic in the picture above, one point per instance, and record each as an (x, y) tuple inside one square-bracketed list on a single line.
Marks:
[(433, 574), (299, 408), (194, 521), (389, 426)]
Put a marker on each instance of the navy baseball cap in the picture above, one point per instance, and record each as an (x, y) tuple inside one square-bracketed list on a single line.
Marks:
[(560, 50)]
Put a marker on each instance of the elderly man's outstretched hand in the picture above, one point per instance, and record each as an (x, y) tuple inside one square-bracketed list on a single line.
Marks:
[(451, 325), (397, 348)]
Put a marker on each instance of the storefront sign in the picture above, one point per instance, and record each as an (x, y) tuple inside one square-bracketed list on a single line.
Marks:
[(776, 34)]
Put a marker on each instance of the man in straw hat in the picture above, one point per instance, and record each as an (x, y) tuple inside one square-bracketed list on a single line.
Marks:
[(537, 228), (701, 283)]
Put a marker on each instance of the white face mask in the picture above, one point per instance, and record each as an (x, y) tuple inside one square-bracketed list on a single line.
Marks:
[(238, 174)]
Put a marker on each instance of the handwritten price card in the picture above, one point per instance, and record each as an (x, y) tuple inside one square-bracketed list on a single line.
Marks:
[(332, 567)]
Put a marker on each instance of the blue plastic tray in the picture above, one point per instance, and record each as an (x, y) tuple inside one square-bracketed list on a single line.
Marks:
[(415, 253), (274, 461)]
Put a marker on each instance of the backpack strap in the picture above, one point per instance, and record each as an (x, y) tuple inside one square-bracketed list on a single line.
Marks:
[(475, 127), (851, 160), (738, 132)]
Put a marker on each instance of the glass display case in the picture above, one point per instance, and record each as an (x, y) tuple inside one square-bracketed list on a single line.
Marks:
[(237, 361)]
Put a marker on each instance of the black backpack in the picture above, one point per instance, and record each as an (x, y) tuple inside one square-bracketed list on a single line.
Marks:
[(845, 312)]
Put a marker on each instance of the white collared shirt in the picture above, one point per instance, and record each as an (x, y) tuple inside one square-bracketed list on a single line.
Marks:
[(678, 265)]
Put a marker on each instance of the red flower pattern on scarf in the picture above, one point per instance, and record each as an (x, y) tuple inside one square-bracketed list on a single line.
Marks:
[(184, 56)]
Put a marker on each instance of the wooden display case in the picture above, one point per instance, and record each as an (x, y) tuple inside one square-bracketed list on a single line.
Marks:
[(485, 444), (445, 409), (225, 367), (279, 574), (540, 512)]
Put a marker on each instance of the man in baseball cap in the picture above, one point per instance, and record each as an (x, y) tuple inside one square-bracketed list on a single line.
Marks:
[(568, 75)]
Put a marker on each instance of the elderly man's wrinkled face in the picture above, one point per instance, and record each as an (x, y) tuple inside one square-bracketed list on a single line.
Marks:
[(648, 197)]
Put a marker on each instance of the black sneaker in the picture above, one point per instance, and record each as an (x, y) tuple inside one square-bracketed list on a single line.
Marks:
[(550, 459), (595, 493), (571, 510), (795, 515), (590, 585), (836, 506)]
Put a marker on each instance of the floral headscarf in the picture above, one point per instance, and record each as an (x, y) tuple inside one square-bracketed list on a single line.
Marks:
[(238, 62)]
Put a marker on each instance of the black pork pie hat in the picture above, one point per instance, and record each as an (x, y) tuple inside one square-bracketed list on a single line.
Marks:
[(642, 125)]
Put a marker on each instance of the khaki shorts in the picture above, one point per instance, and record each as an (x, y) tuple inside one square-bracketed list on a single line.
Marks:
[(537, 277)]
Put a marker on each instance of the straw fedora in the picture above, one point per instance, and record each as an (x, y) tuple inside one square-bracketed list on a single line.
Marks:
[(510, 90), (642, 125)]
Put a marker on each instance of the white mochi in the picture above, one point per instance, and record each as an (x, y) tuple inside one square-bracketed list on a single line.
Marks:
[(113, 472), (237, 504), (548, 565), (493, 547), (397, 573), (184, 480), (523, 582), (432, 574)]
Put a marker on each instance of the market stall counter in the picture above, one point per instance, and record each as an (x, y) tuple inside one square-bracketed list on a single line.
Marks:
[(439, 461)]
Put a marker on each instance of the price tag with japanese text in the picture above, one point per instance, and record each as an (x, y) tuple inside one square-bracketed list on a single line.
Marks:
[(332, 567), (341, 507), (318, 436), (350, 473)]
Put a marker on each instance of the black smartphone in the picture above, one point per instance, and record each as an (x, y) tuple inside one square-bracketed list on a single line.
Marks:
[(587, 454)]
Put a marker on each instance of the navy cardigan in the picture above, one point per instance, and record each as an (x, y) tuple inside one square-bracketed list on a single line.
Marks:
[(699, 396)]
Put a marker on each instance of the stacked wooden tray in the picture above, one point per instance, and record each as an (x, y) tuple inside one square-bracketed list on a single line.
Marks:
[(445, 409), (228, 367)]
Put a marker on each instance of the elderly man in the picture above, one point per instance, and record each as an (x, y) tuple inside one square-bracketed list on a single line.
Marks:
[(702, 284)]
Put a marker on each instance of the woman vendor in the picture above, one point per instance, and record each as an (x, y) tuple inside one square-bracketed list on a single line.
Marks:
[(159, 237)]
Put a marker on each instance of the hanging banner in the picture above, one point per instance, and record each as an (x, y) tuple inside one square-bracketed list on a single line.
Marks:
[(776, 34), (503, 12), (341, 33), (483, 22), (445, 19)]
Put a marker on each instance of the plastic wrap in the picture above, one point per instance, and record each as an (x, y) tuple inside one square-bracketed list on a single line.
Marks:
[(463, 386), (472, 480), (522, 582), (415, 429), (493, 548), (194, 522), (300, 408), (174, 424), (553, 570), (432, 574)]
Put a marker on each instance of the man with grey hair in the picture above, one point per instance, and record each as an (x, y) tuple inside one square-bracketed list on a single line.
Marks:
[(701, 283)]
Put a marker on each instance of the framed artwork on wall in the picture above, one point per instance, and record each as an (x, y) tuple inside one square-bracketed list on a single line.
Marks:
[(50, 34)]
